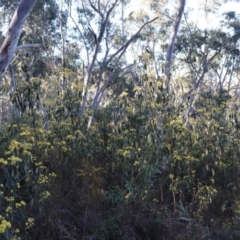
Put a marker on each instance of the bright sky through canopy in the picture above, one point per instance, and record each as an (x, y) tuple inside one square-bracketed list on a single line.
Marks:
[(197, 14), (231, 6), (211, 21)]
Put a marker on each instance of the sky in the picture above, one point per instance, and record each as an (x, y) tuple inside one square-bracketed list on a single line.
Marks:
[(231, 6), (196, 15), (212, 21)]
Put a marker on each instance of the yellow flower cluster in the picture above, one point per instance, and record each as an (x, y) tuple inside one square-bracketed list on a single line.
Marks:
[(45, 194), (123, 94), (52, 174), (171, 176), (4, 224), (29, 223), (9, 199), (25, 133), (70, 137), (40, 165), (136, 163), (3, 162), (9, 209), (42, 179), (14, 160), (20, 204)]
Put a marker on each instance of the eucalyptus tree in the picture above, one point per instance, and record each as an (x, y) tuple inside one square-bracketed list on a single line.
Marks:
[(105, 43), (172, 41), (10, 43), (208, 59)]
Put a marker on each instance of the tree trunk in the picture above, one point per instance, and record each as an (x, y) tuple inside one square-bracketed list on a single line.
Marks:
[(10, 43), (172, 41)]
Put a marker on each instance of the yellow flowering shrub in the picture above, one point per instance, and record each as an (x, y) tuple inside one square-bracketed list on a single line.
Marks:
[(23, 169)]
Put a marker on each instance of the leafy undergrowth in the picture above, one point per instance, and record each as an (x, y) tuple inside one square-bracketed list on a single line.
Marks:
[(140, 171)]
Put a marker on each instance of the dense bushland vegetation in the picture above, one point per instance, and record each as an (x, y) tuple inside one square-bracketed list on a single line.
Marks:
[(128, 175), (118, 150)]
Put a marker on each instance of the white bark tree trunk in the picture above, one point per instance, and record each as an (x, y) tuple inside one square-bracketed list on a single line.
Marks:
[(9, 45), (173, 39), (98, 40)]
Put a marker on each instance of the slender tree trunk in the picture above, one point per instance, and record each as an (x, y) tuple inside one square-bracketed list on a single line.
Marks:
[(13, 89), (172, 41), (63, 50), (98, 40)]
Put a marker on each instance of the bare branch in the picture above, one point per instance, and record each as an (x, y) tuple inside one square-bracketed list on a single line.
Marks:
[(104, 23), (94, 57), (99, 93), (94, 8), (124, 47), (81, 34)]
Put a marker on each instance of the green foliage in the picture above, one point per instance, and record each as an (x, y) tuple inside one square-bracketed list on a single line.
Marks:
[(138, 170), (24, 166), (144, 168)]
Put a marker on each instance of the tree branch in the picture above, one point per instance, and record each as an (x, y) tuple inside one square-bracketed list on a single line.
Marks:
[(31, 45), (124, 47), (94, 57)]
